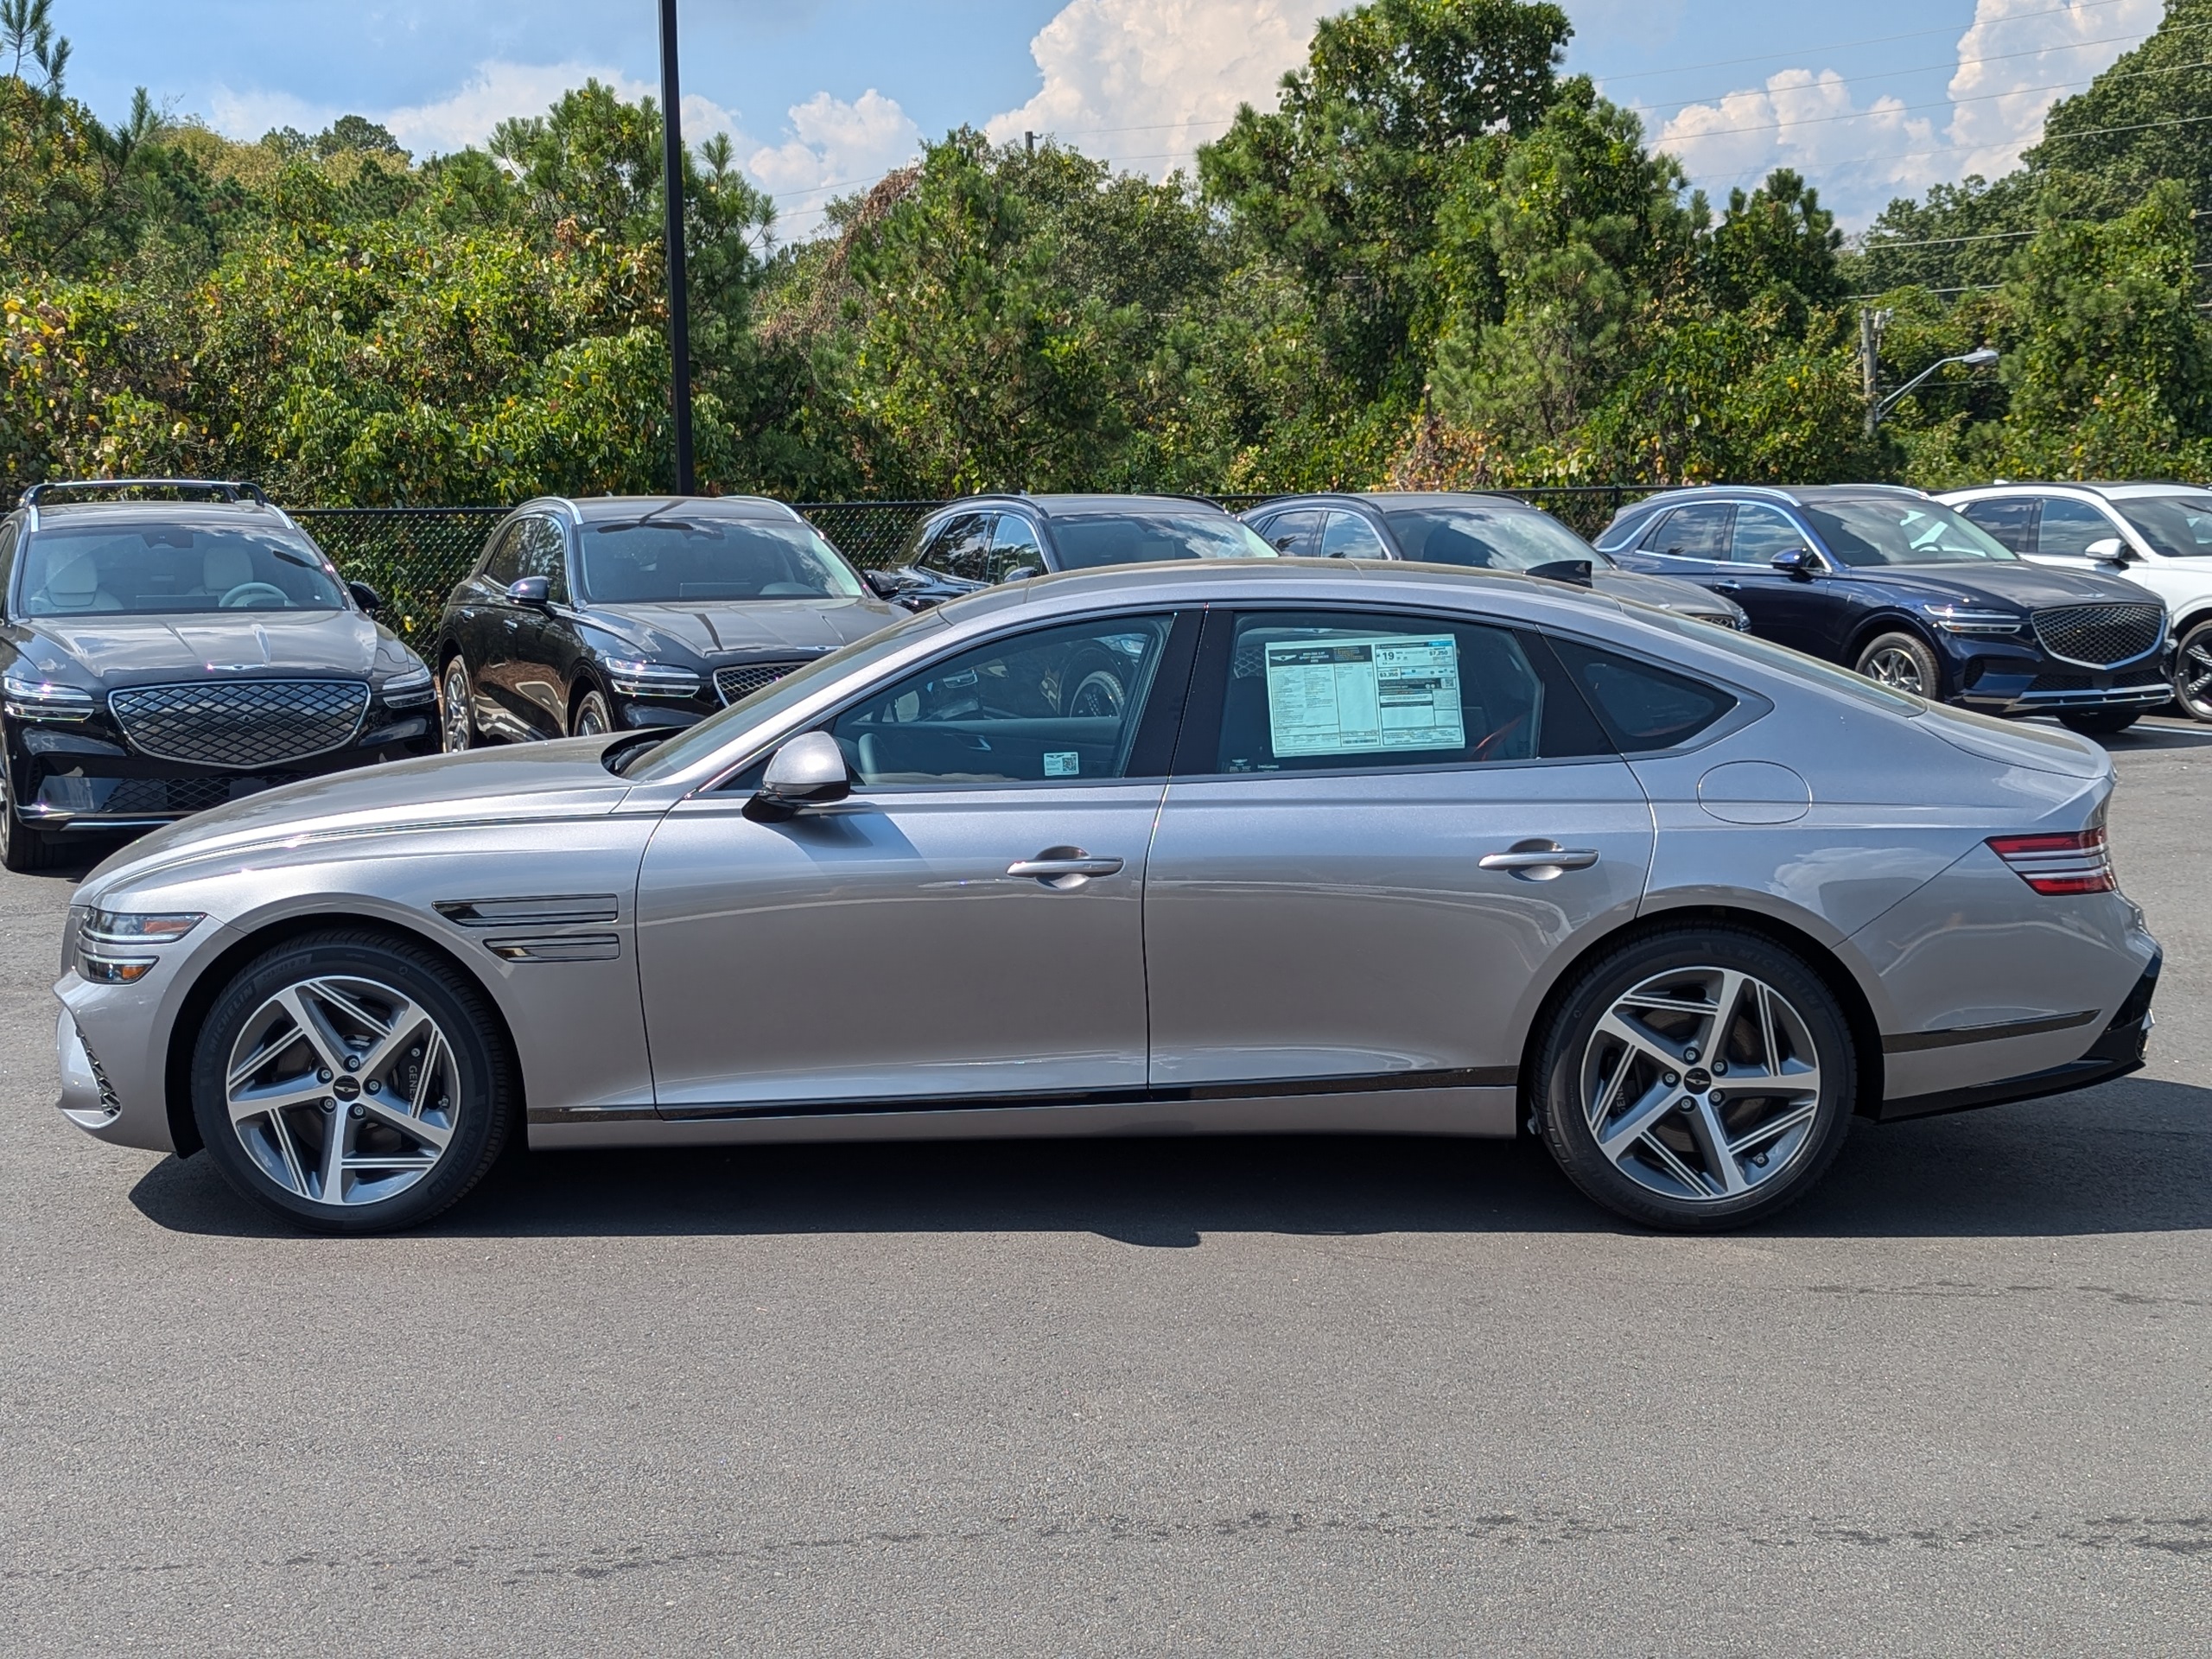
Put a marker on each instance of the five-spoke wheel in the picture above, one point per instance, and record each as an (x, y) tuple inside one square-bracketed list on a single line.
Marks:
[(456, 723)]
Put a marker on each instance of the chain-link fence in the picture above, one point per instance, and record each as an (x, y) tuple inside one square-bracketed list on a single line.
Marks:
[(414, 556)]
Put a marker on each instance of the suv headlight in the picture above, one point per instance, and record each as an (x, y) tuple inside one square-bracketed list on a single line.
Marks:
[(29, 699), (635, 677), (409, 687), (1964, 619), (108, 942)]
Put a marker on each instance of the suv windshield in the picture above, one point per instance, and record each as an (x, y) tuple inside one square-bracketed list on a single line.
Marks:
[(1087, 540), (682, 561), (161, 569), (1487, 538), (2179, 526), (1901, 529)]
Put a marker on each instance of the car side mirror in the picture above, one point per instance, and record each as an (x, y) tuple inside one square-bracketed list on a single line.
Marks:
[(1022, 573), (809, 771), (889, 584), (2108, 549), (533, 591), (366, 597), (1799, 562), (1574, 570)]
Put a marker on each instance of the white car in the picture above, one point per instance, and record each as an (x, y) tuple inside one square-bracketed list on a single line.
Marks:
[(2159, 535)]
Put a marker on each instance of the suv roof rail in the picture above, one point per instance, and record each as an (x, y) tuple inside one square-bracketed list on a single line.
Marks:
[(228, 489)]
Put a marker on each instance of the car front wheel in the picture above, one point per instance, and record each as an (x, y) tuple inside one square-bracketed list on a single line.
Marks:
[(591, 719), (2193, 671), (23, 849), (1903, 663), (1696, 1078), (352, 1082), (457, 726)]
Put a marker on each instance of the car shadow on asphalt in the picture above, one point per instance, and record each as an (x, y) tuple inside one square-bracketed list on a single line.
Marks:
[(2132, 1156)]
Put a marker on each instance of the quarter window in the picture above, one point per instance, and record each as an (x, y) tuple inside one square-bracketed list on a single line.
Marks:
[(1348, 536), (1642, 708), (1697, 532), (2011, 520), (2070, 526), (1058, 705)]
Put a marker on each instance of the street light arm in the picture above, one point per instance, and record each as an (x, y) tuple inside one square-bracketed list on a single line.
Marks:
[(1979, 356)]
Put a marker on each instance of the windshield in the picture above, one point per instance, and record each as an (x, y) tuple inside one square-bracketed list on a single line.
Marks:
[(1487, 538), (1090, 539), (695, 743), (2179, 526), (163, 569), (683, 560), (1901, 529)]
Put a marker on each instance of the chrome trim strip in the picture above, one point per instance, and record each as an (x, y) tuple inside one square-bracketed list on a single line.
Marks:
[(1912, 1042), (551, 910)]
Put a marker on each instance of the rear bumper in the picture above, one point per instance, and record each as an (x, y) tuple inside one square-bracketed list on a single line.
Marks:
[(2117, 1051)]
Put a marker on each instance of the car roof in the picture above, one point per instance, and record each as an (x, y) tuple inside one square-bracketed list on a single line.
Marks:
[(1053, 506), (189, 513), (1797, 495), (1387, 500), (2116, 491), (592, 509)]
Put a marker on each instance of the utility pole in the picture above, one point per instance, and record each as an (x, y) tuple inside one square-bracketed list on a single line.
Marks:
[(1872, 324), (679, 296)]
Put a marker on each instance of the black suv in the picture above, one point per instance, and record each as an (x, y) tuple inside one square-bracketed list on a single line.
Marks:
[(618, 612), (165, 656), (1901, 588), (984, 539)]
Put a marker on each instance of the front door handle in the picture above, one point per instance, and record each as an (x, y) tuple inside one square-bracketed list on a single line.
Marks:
[(1539, 860), (1064, 866), (1727, 586)]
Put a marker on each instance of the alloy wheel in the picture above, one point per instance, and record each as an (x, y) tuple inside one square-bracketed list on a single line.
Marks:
[(591, 717), (343, 1090), (1097, 695), (2193, 673), (1701, 1084), (456, 728), (1895, 668)]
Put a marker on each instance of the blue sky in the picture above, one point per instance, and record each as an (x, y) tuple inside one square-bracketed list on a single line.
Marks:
[(1874, 100)]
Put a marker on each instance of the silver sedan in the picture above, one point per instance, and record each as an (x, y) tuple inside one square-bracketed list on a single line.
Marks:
[(1312, 847)]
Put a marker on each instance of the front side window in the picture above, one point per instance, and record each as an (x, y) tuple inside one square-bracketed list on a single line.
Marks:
[(158, 569), (1697, 531), (503, 562), (1487, 538), (1761, 533), (2011, 520), (2179, 526), (2072, 527), (544, 551), (662, 560), (1348, 536), (1056, 705), (7, 562), (1291, 534), (1901, 529), (1643, 708), (1308, 692), (1087, 540), (1013, 547)]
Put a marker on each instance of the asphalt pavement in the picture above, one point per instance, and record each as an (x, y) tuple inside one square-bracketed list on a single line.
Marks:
[(1355, 1397)]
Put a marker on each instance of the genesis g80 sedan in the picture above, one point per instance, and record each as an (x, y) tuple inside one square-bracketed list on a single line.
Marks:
[(1358, 847)]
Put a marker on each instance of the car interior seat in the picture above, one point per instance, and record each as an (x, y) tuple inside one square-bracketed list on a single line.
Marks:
[(222, 569), (75, 587)]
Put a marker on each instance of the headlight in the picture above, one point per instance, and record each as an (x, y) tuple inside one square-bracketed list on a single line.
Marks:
[(409, 687), (108, 937), (29, 699), (635, 677), (1961, 618)]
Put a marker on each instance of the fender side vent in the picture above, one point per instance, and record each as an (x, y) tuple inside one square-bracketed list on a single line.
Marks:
[(559, 909)]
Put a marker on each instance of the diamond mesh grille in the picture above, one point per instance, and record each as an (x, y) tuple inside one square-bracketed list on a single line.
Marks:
[(2099, 635), (248, 723), (731, 684)]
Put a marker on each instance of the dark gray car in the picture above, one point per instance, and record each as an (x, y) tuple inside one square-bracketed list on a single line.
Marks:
[(1478, 532)]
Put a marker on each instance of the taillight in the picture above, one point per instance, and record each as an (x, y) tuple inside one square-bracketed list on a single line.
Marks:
[(2077, 862)]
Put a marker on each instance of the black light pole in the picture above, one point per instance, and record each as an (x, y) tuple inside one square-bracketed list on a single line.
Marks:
[(679, 307)]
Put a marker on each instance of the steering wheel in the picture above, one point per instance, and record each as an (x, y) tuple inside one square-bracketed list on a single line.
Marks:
[(253, 592)]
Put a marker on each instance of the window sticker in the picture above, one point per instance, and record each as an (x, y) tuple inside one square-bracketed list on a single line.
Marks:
[(1061, 763), (1364, 696)]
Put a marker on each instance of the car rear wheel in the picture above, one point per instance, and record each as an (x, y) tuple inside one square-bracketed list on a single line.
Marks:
[(456, 723), (2193, 671), (592, 718), (1902, 663), (352, 1082), (23, 849), (2100, 722), (1696, 1078)]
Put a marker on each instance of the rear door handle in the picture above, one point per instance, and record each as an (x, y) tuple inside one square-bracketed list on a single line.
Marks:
[(1539, 860), (1064, 866)]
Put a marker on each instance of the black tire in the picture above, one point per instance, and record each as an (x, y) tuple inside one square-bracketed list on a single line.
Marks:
[(1904, 661), (592, 718), (1572, 1038), (456, 719), (2100, 722), (2193, 671), (23, 849), (484, 1093)]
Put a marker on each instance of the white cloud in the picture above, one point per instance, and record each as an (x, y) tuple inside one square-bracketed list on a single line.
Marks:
[(833, 149), (1857, 156), (2002, 98), (247, 116), (1145, 82)]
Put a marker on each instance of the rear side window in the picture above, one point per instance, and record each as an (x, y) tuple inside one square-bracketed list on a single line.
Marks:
[(1642, 708), (2011, 520)]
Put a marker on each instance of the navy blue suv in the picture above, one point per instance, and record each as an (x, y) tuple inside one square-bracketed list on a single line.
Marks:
[(1897, 585)]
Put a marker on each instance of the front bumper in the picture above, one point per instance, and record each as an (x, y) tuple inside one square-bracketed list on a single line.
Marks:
[(2021, 684)]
